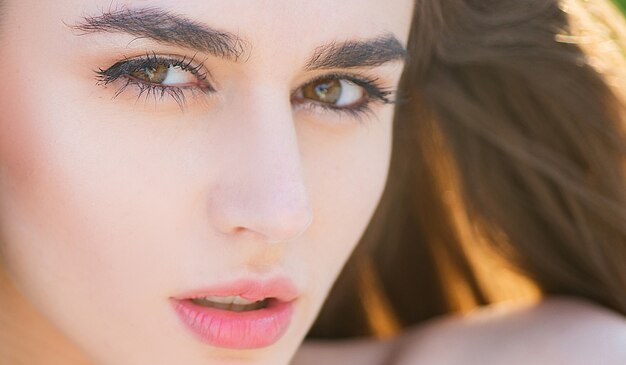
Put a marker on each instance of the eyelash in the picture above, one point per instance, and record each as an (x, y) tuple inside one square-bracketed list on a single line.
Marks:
[(374, 91), (123, 69)]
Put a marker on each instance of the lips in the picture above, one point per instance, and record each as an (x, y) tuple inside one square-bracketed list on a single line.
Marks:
[(216, 316), (280, 288)]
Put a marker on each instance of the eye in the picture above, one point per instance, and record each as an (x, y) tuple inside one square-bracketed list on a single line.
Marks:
[(158, 75), (165, 74), (336, 92), (342, 93)]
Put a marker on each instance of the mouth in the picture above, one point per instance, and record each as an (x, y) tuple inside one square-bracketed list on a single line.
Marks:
[(246, 314), (231, 303)]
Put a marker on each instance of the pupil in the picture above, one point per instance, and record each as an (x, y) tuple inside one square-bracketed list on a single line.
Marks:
[(326, 91), (154, 74), (322, 90)]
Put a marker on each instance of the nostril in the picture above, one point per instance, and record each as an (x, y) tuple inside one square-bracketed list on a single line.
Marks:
[(270, 220)]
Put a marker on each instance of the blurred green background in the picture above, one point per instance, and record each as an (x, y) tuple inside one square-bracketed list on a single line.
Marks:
[(621, 4)]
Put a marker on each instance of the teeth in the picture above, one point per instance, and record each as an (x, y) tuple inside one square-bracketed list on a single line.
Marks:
[(233, 303), (239, 300), (228, 300)]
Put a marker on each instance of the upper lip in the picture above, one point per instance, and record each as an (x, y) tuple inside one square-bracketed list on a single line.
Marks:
[(279, 288)]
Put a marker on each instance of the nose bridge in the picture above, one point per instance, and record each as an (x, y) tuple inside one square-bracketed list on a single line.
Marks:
[(262, 187)]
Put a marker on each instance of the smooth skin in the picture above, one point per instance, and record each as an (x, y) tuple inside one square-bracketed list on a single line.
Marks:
[(553, 331), (110, 205)]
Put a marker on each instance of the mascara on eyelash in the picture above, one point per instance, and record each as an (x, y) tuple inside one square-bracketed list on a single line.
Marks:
[(371, 85), (126, 67), (375, 93), (359, 112)]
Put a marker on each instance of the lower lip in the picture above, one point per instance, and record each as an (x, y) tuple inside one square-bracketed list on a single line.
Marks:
[(236, 330)]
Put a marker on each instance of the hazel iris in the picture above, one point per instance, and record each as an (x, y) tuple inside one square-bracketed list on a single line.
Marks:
[(325, 90)]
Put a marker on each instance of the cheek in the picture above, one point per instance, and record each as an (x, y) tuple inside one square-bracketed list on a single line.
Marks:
[(89, 219), (73, 194), (40, 168), (347, 178), (78, 192)]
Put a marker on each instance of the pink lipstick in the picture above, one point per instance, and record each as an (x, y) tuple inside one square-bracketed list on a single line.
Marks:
[(244, 314)]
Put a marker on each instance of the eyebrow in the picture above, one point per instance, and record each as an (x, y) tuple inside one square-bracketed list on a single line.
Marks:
[(352, 54), (165, 27)]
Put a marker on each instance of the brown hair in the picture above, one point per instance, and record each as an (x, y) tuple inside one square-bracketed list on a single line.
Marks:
[(512, 141)]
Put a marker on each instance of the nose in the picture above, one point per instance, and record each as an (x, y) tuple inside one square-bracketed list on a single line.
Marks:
[(260, 191)]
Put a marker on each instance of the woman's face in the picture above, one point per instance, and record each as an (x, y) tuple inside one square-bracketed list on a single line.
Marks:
[(155, 151)]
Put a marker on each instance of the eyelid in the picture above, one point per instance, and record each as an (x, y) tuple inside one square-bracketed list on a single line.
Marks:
[(372, 85), (125, 67), (374, 90)]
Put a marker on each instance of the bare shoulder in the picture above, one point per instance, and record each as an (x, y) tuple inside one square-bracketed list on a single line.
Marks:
[(555, 331), (558, 330), (340, 352)]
